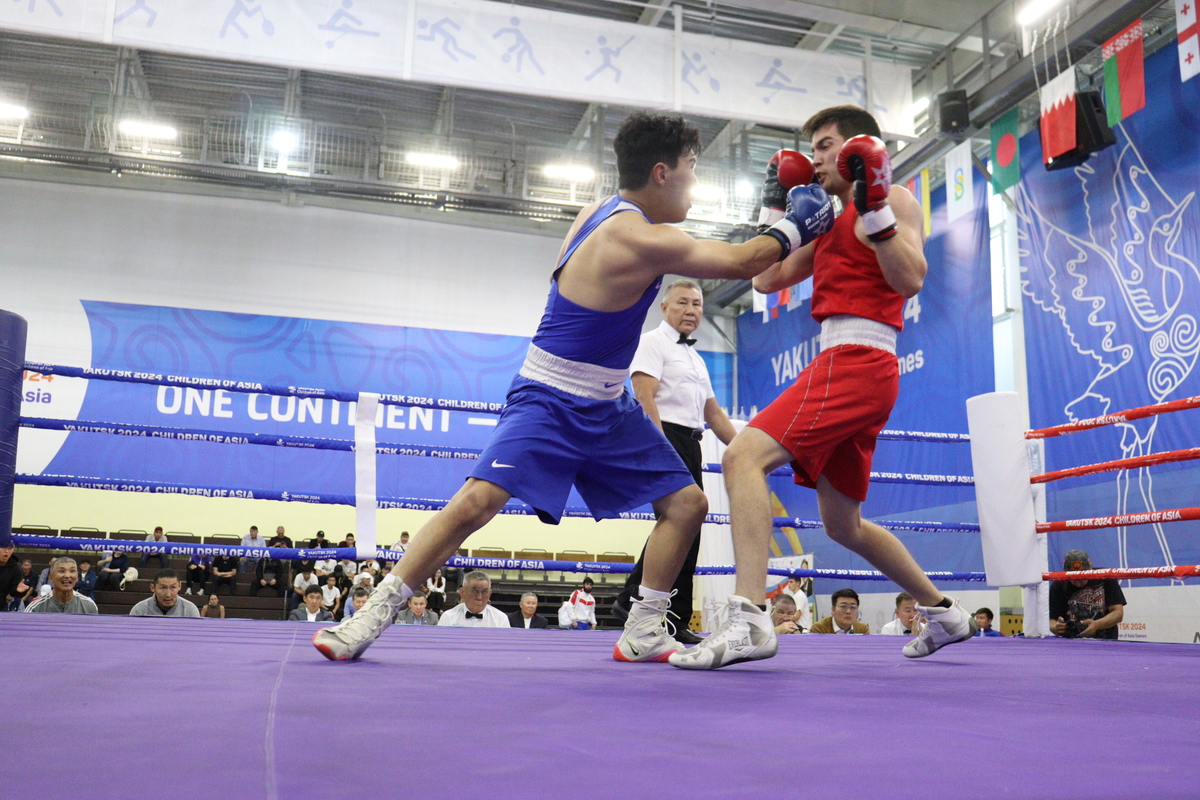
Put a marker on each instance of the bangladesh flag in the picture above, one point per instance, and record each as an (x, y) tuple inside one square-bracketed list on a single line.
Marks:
[(1006, 152), (1124, 74)]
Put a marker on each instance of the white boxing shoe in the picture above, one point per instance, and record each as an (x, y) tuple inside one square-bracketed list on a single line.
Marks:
[(646, 636), (744, 633), (349, 639), (943, 626)]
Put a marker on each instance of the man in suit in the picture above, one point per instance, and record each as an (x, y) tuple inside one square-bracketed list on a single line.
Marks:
[(845, 615), (418, 612), (527, 616), (311, 611)]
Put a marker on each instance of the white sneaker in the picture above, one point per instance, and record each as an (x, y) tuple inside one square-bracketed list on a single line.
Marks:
[(200, 592), (646, 636), (943, 626), (189, 590), (744, 633), (349, 639)]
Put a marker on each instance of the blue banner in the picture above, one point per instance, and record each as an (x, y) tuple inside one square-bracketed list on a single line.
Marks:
[(163, 428), (945, 357), (1109, 264)]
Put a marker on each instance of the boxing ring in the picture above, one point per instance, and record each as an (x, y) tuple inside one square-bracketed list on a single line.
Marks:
[(254, 711)]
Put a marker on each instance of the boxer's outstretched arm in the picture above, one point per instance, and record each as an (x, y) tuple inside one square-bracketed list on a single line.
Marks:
[(902, 257), (661, 250)]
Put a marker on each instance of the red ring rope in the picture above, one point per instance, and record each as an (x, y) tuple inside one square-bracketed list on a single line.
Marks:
[(1113, 419), (1123, 463), (1144, 518), (1122, 574)]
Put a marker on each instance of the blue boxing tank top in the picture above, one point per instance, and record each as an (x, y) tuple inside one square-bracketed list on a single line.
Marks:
[(603, 338)]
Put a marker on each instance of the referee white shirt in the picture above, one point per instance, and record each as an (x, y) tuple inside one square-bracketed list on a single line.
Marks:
[(683, 383), (457, 618)]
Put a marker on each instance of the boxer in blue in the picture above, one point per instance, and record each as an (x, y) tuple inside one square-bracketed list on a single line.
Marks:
[(569, 420)]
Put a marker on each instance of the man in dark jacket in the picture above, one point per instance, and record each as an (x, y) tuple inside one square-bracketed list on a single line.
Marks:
[(527, 616)]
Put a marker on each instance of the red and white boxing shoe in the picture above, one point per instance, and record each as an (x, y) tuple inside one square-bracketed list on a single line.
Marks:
[(646, 636), (349, 639)]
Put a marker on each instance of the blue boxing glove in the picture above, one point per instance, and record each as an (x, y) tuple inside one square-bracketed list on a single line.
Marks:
[(809, 215)]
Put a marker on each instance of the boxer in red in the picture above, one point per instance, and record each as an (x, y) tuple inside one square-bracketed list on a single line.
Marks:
[(825, 424)]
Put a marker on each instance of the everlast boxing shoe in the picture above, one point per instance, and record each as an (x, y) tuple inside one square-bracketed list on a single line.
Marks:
[(349, 639), (744, 633), (646, 636), (944, 626)]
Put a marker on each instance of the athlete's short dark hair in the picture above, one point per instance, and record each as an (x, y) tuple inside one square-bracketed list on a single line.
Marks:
[(648, 139), (850, 121), (164, 574)]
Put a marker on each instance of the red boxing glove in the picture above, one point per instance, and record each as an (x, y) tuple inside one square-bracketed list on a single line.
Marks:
[(786, 170), (864, 162)]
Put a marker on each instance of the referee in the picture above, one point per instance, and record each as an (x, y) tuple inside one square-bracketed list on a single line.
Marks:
[(672, 384)]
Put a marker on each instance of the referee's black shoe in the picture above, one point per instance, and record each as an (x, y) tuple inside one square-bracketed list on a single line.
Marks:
[(685, 636), (621, 605)]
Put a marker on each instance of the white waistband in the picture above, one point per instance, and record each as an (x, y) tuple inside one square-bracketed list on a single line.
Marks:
[(573, 377), (849, 329)]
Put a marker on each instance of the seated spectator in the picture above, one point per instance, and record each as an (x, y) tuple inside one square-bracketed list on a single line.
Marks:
[(268, 574), (224, 573), (526, 615), (565, 619), (475, 610), (42, 588), (845, 615), (1085, 609), (435, 590), (346, 570), (158, 537), (301, 584), (251, 539), (584, 606), (348, 541), (908, 620), (364, 580), (26, 587), (63, 599), (371, 566), (10, 577), (112, 572), (198, 570), (311, 611), (401, 544), (324, 568), (280, 539), (213, 608), (165, 602), (332, 595), (87, 580), (358, 599), (784, 614), (319, 540), (983, 618), (800, 590), (417, 612)]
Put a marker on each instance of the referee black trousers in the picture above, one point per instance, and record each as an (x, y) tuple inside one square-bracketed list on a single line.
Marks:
[(681, 604)]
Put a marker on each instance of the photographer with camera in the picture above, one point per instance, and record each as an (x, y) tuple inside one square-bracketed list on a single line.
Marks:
[(1085, 609)]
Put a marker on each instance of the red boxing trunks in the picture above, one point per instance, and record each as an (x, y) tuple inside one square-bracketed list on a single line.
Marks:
[(829, 418)]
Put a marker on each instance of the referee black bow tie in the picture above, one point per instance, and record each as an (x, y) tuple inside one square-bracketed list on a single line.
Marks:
[(474, 616), (683, 339)]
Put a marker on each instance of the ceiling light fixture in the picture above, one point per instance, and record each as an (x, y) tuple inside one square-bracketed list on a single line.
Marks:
[(284, 141), (708, 193), (432, 160), (570, 172), (147, 130), (13, 111), (919, 107), (1034, 11), (744, 189)]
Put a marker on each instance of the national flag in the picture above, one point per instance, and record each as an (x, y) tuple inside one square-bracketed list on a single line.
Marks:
[(919, 186), (1189, 39), (960, 188), (1006, 152), (1058, 115), (1124, 74)]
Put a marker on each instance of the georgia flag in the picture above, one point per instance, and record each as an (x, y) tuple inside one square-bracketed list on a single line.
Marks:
[(1189, 39)]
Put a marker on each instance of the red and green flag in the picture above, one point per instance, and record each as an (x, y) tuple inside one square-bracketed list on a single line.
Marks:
[(1124, 74), (1006, 152)]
